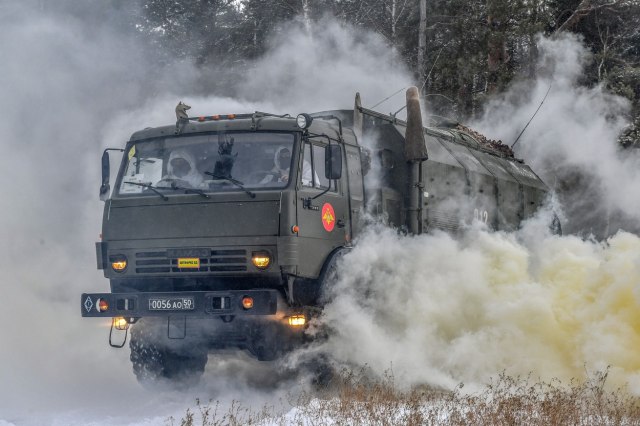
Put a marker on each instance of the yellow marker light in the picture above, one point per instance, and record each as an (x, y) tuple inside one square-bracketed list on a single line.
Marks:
[(103, 305), (297, 320), (120, 323), (119, 265), (261, 260), (247, 302)]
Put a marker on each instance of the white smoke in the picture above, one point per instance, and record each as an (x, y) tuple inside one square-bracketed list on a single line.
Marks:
[(441, 311), (572, 139), (324, 68)]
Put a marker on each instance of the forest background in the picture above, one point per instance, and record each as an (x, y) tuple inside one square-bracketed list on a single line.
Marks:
[(460, 52)]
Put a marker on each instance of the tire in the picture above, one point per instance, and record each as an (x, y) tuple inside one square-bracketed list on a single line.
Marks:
[(324, 373), (330, 275), (155, 364), (555, 227), (315, 370)]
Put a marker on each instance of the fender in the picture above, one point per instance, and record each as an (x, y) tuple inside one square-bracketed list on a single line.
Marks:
[(312, 291)]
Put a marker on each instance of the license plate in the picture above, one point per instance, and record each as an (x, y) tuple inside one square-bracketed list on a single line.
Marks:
[(171, 304)]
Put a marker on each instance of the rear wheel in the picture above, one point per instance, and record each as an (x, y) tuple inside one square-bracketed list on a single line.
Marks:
[(555, 226), (154, 363)]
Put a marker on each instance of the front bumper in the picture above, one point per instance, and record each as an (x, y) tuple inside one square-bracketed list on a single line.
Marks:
[(191, 303)]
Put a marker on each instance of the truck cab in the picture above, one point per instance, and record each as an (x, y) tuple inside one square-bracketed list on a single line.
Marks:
[(222, 228)]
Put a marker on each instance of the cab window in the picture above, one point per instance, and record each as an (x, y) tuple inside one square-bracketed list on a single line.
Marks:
[(313, 172), (210, 163)]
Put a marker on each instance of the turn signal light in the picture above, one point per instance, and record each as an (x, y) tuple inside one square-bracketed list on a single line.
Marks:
[(103, 305), (247, 302), (261, 260), (120, 323), (297, 320)]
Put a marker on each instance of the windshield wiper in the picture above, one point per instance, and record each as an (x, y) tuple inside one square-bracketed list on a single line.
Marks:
[(234, 181), (151, 187), (188, 190)]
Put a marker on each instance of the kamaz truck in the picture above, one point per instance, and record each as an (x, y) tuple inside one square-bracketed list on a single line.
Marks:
[(223, 231)]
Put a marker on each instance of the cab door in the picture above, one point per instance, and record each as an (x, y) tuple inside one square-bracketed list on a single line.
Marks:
[(356, 188), (321, 210)]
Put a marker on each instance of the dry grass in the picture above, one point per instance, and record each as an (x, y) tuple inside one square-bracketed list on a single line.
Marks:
[(355, 399)]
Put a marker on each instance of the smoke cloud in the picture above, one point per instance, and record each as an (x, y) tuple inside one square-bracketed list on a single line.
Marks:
[(572, 139), (441, 311), (324, 68), (63, 78)]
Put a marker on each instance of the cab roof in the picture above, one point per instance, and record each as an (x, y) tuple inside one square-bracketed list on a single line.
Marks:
[(236, 123)]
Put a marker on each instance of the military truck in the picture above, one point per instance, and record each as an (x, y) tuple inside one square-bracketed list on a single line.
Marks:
[(223, 230)]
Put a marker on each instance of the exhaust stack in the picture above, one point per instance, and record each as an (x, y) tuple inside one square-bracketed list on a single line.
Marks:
[(358, 118), (415, 149), (415, 152)]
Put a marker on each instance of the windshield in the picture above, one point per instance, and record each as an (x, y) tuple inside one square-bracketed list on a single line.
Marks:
[(208, 163)]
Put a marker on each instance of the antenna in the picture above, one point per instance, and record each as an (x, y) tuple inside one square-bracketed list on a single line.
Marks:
[(423, 84), (434, 64), (534, 114), (388, 97)]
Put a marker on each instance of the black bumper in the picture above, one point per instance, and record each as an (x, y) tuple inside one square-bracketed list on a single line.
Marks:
[(187, 303)]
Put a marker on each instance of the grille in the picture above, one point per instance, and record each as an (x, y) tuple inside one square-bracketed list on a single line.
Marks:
[(159, 262)]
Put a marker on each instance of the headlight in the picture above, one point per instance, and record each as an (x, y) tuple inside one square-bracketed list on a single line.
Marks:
[(304, 121), (120, 323), (261, 259), (297, 320), (118, 263)]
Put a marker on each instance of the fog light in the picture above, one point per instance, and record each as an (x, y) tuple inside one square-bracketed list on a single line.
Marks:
[(120, 323), (297, 320), (247, 302), (119, 263), (102, 305), (261, 260)]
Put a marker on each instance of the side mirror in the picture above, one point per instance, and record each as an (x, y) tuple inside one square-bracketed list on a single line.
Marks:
[(106, 171), (333, 162)]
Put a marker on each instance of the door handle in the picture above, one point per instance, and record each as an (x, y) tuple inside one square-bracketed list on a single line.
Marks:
[(340, 223), (306, 204)]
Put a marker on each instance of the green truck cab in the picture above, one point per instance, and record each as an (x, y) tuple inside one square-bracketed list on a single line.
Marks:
[(222, 231)]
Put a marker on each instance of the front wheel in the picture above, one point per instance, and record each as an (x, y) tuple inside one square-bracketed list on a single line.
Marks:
[(154, 363)]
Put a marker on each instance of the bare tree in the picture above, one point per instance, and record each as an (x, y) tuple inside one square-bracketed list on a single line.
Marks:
[(422, 44)]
